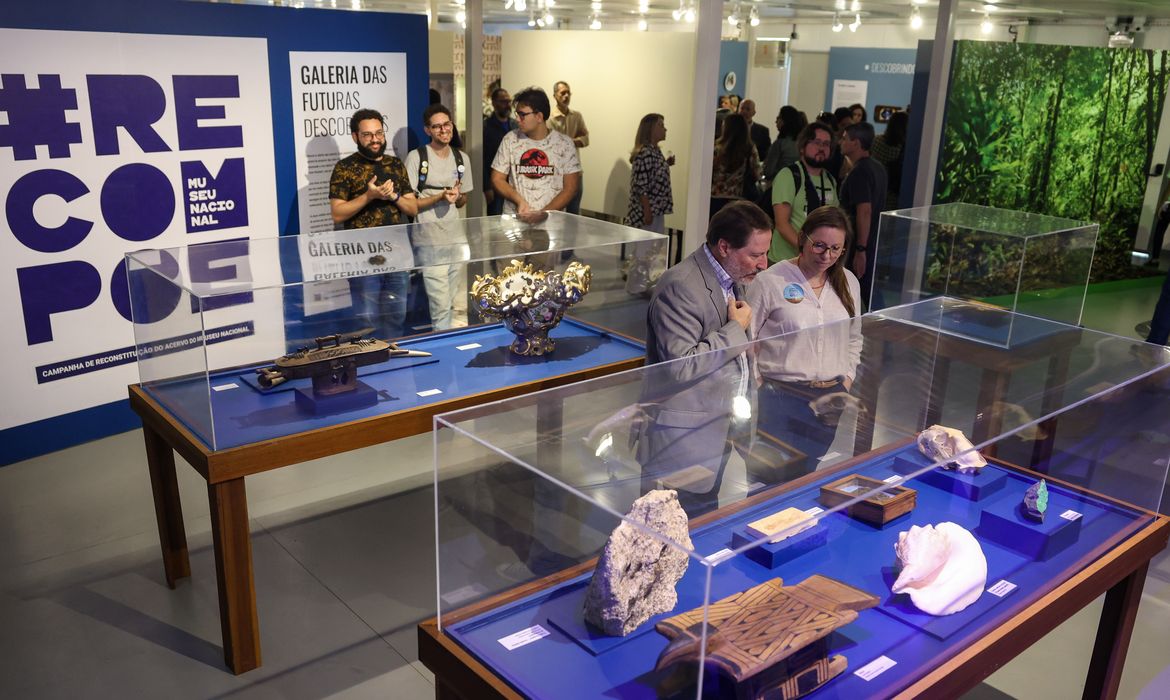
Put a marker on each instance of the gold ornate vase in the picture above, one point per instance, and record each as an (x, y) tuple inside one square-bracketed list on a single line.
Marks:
[(529, 302)]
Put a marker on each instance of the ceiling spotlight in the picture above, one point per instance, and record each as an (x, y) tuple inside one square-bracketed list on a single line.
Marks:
[(837, 26), (856, 6), (595, 6), (689, 15), (855, 23), (733, 18), (595, 23), (461, 2), (550, 3), (643, 6), (548, 18), (916, 19), (985, 25), (754, 17), (521, 5), (461, 17), (642, 26)]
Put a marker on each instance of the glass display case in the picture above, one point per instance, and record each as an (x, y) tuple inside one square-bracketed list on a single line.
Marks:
[(1031, 264), (809, 504), (249, 340)]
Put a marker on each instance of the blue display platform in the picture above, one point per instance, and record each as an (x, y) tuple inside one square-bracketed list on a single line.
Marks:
[(463, 362), (560, 665)]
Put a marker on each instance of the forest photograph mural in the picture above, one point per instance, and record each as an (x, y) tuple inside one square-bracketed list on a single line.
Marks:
[(1058, 130)]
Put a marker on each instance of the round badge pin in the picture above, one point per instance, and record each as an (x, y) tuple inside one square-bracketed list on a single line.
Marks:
[(794, 294)]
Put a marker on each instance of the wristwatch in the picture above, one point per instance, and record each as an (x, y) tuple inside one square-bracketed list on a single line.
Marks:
[(396, 198)]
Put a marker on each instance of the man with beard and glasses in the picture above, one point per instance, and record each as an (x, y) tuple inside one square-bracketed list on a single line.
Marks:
[(371, 188), (802, 187)]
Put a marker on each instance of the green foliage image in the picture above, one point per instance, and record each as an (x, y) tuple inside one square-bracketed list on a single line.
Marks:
[(1058, 130)]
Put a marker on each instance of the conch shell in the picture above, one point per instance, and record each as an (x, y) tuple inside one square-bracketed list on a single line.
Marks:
[(942, 444), (943, 568)]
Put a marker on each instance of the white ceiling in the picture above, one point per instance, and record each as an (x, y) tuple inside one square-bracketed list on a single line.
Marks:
[(817, 11)]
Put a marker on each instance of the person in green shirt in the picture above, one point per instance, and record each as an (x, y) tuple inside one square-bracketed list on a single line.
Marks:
[(800, 188)]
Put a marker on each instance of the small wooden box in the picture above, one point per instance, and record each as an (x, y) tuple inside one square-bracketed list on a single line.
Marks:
[(880, 508)]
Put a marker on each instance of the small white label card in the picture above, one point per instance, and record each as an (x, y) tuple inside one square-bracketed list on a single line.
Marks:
[(719, 556), (1001, 588), (526, 636), (894, 479), (430, 392), (875, 668), (814, 511), (469, 346), (1070, 515), (225, 387)]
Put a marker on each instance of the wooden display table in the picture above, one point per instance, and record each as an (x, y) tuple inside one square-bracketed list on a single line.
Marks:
[(225, 470), (1116, 567)]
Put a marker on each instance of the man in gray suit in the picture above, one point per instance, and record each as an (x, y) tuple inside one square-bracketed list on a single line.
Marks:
[(703, 402)]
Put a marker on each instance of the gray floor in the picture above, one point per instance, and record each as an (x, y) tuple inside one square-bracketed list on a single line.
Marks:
[(344, 562)]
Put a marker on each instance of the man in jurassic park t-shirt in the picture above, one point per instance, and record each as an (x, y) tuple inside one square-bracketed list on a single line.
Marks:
[(536, 169)]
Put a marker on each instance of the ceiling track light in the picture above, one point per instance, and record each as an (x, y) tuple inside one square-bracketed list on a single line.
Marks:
[(985, 26), (642, 25), (915, 19), (754, 17), (837, 26), (855, 23)]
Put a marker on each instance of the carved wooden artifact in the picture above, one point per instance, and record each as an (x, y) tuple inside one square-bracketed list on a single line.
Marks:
[(333, 363), (770, 640)]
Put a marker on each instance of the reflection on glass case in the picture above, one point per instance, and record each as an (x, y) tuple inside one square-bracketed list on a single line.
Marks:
[(853, 566), (250, 340), (1032, 264)]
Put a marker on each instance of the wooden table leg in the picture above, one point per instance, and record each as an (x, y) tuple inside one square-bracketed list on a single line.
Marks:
[(1053, 400), (989, 419), (231, 536), (168, 509), (1113, 634)]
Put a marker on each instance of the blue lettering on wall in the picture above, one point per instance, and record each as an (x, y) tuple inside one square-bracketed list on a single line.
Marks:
[(188, 89), (53, 288), (214, 202), (18, 207), (37, 116), (133, 102), (154, 296), (138, 202), (202, 266)]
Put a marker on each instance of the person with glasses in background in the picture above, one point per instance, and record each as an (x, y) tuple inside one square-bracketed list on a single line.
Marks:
[(441, 177), (802, 187), (805, 374), (535, 169), (370, 188)]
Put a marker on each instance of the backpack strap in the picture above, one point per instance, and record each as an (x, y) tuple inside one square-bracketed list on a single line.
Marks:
[(458, 165)]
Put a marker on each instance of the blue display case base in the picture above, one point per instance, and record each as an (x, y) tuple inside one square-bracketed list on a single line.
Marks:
[(973, 487), (1004, 523), (363, 396), (773, 554)]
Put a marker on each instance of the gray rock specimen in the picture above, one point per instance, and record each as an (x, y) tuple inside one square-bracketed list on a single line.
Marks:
[(1036, 501), (636, 573)]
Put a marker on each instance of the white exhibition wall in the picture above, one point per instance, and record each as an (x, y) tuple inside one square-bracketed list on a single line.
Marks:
[(616, 78)]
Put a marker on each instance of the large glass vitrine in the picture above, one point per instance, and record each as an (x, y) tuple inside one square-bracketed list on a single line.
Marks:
[(1032, 264), (528, 491)]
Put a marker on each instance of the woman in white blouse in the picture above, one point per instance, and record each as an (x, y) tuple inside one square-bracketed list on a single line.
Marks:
[(807, 292)]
